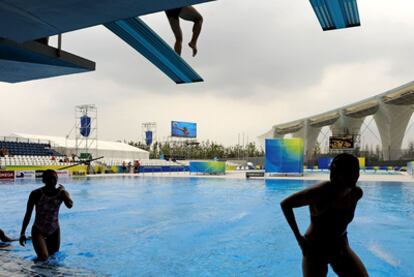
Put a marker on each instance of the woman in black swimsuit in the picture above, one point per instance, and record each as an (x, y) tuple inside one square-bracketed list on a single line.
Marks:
[(187, 13), (332, 205), (46, 201)]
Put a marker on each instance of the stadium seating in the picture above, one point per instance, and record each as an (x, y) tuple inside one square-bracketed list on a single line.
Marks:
[(31, 161), (16, 148)]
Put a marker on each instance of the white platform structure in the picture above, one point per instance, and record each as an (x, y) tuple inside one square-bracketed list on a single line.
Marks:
[(109, 149), (391, 111)]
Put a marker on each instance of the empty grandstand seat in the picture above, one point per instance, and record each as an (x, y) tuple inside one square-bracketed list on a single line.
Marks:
[(28, 149)]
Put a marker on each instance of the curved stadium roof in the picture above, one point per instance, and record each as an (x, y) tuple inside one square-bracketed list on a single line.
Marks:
[(403, 95)]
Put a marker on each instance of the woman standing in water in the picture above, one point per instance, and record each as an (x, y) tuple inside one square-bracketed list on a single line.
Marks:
[(332, 206), (45, 230)]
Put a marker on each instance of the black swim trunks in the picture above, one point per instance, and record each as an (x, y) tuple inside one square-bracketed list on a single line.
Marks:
[(174, 13)]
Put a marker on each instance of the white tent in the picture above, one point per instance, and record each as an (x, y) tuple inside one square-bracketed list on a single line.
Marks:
[(109, 149)]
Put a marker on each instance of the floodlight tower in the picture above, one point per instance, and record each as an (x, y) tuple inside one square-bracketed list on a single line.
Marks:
[(86, 129)]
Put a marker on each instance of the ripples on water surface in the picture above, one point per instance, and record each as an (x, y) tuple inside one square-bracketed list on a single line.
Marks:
[(200, 227)]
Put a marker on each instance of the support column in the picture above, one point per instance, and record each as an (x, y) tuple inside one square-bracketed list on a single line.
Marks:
[(347, 125), (269, 135), (392, 122), (309, 135), (265, 136)]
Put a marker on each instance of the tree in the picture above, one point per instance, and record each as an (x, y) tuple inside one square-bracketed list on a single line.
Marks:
[(205, 150)]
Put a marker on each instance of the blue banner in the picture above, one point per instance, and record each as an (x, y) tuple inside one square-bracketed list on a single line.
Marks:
[(284, 156), (324, 163), (148, 137), (85, 125)]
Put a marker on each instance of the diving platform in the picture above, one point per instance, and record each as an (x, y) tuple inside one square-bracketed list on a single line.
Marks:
[(33, 60), (24, 20), (336, 14), (144, 40)]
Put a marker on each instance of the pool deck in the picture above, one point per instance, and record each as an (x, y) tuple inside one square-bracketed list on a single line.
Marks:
[(399, 177)]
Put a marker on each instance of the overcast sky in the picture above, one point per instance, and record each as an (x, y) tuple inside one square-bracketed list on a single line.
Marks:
[(263, 64)]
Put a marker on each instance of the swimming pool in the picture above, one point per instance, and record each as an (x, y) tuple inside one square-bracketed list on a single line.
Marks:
[(149, 226)]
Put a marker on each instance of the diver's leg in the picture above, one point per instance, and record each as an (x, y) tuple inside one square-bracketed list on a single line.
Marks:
[(347, 263), (39, 244), (191, 14), (175, 26), (313, 267), (53, 242)]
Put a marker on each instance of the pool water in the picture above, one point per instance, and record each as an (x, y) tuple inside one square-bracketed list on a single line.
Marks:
[(149, 226)]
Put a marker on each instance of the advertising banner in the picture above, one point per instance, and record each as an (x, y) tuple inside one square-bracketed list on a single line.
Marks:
[(25, 174), (63, 173), (183, 129), (324, 163), (284, 156), (6, 175), (410, 168), (60, 173), (39, 174), (208, 167), (361, 163)]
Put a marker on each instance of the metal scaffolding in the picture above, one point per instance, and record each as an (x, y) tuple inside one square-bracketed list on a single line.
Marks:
[(86, 143)]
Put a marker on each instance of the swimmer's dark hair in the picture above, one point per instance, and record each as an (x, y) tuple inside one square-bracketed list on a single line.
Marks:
[(48, 174), (345, 164)]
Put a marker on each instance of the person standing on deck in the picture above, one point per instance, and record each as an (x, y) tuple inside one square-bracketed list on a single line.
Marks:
[(332, 206)]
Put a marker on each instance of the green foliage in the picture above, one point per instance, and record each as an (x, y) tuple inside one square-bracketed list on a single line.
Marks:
[(204, 150)]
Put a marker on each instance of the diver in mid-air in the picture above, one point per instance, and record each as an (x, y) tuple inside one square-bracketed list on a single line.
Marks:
[(190, 14)]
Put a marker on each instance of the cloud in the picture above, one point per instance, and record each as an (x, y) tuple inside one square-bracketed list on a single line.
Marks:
[(263, 64)]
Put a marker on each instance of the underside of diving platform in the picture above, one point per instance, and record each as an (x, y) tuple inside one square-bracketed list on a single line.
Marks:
[(21, 62), (25, 20)]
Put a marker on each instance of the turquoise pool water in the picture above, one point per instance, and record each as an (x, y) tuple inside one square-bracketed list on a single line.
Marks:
[(150, 226)]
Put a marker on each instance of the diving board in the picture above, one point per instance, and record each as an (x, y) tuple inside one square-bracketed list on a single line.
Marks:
[(143, 39), (336, 14)]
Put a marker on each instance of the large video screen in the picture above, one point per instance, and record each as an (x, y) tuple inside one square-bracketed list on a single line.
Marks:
[(183, 129), (341, 142)]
